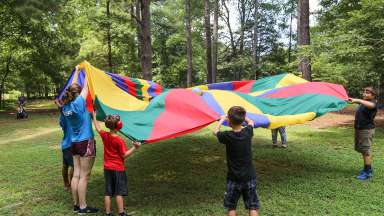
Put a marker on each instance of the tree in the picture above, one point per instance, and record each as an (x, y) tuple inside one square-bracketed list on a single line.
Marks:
[(109, 40), (215, 38), (303, 37), (208, 42), (189, 41), (143, 18), (255, 39)]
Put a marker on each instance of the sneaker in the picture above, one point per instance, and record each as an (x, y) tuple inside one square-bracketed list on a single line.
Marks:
[(365, 175), (274, 145), (284, 146), (76, 208), (88, 210)]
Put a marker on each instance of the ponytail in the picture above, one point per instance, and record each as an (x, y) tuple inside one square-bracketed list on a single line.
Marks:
[(71, 93)]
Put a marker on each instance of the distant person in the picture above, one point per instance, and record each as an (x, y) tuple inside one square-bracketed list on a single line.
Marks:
[(115, 151), (241, 176), (21, 113), (22, 100), (365, 129), (283, 137)]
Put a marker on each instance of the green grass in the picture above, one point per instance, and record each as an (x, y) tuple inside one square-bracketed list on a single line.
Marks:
[(186, 175), (36, 104)]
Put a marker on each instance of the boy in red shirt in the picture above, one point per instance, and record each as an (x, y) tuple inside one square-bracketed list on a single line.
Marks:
[(115, 151)]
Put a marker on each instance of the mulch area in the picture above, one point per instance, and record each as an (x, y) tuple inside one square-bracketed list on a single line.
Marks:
[(342, 118)]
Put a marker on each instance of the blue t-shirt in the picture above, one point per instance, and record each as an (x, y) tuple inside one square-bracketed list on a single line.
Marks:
[(64, 124), (79, 120)]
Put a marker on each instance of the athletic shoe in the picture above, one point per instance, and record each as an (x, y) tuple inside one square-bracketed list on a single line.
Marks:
[(365, 175), (88, 210), (274, 145), (76, 208)]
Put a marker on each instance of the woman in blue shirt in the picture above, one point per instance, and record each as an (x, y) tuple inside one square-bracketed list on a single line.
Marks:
[(83, 144)]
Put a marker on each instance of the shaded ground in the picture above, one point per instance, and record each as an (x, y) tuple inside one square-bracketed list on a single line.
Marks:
[(342, 118)]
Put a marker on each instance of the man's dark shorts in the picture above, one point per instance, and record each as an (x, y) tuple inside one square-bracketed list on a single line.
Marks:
[(67, 157), (115, 183), (246, 189)]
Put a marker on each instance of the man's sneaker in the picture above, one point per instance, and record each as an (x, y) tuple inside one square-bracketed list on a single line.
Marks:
[(284, 146), (365, 175), (88, 210), (76, 208), (274, 145)]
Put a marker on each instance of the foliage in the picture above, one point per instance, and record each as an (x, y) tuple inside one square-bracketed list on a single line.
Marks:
[(348, 45)]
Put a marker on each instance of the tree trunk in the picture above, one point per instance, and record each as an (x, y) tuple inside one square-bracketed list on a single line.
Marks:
[(255, 39), (303, 36), (227, 21), (138, 28), (290, 39), (207, 24), (242, 25), (3, 79), (215, 39), (189, 41), (109, 40), (146, 45)]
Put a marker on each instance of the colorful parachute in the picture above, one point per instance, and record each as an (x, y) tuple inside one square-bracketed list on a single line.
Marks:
[(151, 113)]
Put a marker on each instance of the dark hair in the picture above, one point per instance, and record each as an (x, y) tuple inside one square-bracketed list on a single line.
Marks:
[(370, 90), (71, 93), (236, 115), (111, 121)]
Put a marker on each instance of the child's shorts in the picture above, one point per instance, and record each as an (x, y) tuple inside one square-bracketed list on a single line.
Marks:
[(86, 148), (246, 189), (115, 183), (67, 157), (364, 140)]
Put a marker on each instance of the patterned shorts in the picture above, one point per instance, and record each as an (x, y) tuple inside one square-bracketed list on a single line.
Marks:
[(246, 189)]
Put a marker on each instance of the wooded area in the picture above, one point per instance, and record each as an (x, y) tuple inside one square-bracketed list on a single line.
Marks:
[(183, 43)]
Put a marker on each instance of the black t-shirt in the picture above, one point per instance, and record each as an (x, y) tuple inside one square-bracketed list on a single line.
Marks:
[(239, 153), (364, 118)]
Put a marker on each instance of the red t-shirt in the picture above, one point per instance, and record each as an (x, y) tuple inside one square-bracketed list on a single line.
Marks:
[(114, 150)]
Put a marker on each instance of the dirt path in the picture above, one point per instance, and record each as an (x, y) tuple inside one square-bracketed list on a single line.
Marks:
[(343, 118), (38, 133)]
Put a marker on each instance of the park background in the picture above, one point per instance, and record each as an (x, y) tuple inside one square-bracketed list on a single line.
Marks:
[(183, 43)]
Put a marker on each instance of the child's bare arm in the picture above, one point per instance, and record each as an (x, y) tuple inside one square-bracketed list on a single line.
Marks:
[(218, 126), (84, 91), (249, 121), (95, 122), (136, 145), (76, 75), (58, 104), (365, 103)]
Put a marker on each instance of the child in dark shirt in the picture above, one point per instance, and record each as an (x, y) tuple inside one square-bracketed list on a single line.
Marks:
[(365, 129), (241, 176)]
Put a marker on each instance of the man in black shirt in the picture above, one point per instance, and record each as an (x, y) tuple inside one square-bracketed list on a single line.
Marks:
[(365, 129), (241, 176)]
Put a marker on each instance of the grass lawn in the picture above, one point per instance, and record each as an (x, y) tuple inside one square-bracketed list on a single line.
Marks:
[(186, 175)]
